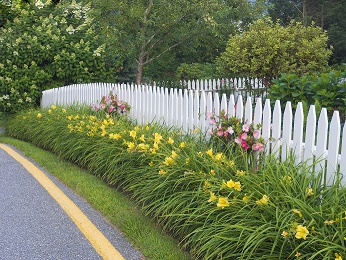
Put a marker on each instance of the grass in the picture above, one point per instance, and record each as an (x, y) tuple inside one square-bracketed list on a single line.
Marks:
[(143, 232)]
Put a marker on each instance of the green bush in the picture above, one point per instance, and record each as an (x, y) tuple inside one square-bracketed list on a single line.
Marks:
[(218, 206), (196, 71), (268, 49), (47, 46), (324, 90)]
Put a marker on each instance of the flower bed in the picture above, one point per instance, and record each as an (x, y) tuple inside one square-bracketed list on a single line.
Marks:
[(206, 195)]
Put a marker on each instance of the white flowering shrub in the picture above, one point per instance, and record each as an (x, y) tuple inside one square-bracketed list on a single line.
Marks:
[(47, 46)]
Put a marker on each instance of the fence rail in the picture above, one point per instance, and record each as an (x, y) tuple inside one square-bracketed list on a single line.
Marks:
[(286, 133)]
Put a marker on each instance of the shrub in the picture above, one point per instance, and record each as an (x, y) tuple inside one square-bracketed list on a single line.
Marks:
[(268, 49), (324, 90), (47, 46)]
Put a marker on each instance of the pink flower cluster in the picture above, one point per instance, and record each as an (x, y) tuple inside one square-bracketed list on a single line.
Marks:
[(111, 105), (231, 130)]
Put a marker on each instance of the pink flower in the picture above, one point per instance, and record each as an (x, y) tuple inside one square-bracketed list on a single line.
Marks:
[(246, 128), (107, 99), (219, 133), (244, 145), (256, 134), (258, 147), (212, 122), (238, 140), (110, 109), (243, 136), (230, 130)]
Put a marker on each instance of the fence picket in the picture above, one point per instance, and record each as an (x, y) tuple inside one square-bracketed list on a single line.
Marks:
[(286, 132), (239, 108), (333, 148), (310, 133), (342, 160), (297, 146), (321, 141), (267, 118), (276, 131)]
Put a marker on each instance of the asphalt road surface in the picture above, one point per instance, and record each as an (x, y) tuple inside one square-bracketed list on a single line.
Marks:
[(35, 225)]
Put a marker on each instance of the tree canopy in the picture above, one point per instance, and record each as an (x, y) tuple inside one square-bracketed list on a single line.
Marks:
[(327, 14), (145, 32), (268, 49)]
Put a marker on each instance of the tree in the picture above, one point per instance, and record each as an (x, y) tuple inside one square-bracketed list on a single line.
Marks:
[(47, 46), (146, 31), (327, 14), (268, 49)]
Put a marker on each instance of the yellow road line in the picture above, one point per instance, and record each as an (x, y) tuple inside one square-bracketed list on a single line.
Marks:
[(101, 244)]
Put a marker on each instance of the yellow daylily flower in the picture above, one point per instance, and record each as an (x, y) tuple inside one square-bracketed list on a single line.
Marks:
[(223, 202), (301, 232)]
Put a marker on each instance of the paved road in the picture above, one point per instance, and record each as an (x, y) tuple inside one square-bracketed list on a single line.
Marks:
[(33, 225)]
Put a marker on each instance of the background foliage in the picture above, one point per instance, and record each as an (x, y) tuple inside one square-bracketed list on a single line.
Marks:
[(268, 49), (47, 46)]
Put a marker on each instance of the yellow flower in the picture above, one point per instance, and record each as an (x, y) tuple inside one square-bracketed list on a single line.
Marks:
[(237, 186), (182, 145), (246, 198), (284, 233), (210, 152), (309, 192), (338, 257), (174, 155), (230, 184), (114, 136), (212, 172), (231, 163), (170, 140), (162, 172), (142, 138), (168, 161), (157, 137), (70, 118), (301, 232), (298, 212), (133, 134), (49, 111), (219, 156), (39, 115), (151, 163), (298, 254), (130, 145), (143, 147), (263, 201), (53, 107), (206, 183), (240, 173), (63, 110), (212, 197), (156, 146), (329, 222), (136, 128), (223, 202)]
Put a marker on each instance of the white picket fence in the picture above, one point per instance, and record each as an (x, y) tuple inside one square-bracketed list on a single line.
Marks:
[(188, 109), (217, 84)]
